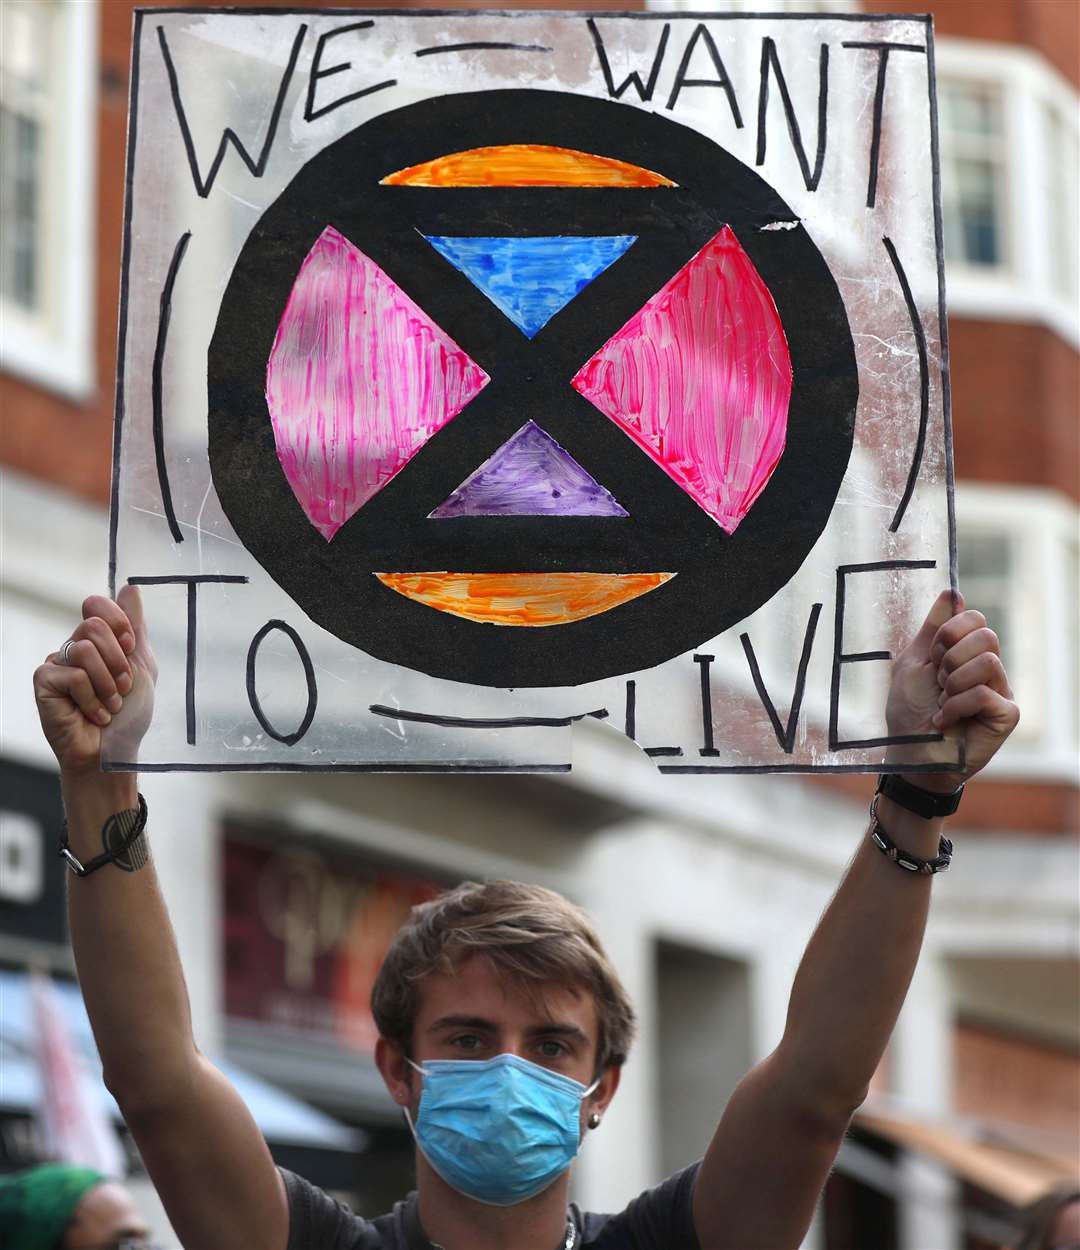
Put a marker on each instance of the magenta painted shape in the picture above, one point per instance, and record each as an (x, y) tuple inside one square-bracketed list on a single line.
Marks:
[(700, 378), (359, 378)]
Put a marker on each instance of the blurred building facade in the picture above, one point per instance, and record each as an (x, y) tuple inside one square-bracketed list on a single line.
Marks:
[(285, 889)]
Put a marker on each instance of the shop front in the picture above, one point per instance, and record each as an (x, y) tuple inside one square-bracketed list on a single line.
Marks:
[(306, 924)]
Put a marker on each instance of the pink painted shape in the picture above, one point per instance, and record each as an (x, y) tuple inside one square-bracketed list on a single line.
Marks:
[(359, 378), (700, 378)]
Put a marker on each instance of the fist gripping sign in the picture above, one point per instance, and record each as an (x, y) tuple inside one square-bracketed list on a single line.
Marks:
[(472, 360)]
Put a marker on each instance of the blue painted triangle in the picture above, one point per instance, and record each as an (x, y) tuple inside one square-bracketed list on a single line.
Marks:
[(531, 279), (529, 475)]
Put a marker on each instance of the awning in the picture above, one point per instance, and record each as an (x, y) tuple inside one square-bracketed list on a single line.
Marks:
[(285, 1121), (1007, 1169)]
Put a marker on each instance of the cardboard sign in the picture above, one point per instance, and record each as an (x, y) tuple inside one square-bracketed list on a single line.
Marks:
[(485, 372)]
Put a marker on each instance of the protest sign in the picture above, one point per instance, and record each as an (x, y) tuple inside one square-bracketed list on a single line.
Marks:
[(481, 373)]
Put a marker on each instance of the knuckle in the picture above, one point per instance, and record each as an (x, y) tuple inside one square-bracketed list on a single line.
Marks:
[(951, 632), (80, 686), (83, 651), (95, 626)]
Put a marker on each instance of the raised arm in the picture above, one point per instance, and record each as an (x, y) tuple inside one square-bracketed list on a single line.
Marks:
[(781, 1130), (205, 1154)]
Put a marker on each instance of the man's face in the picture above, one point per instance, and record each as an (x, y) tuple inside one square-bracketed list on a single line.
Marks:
[(105, 1217), (478, 1013)]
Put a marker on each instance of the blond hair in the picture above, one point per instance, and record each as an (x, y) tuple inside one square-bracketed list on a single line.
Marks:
[(532, 935)]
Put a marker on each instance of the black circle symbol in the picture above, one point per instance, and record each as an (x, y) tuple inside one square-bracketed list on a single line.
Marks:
[(719, 578)]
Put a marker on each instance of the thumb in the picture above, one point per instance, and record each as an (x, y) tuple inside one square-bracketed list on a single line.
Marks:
[(947, 605), (130, 600)]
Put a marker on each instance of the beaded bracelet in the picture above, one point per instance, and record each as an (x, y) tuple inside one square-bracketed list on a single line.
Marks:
[(901, 858)]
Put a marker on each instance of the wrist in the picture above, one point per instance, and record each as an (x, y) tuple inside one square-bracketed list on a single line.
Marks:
[(90, 799), (917, 798), (936, 783), (915, 834)]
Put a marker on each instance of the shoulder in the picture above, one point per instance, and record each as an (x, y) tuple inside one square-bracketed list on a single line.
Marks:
[(659, 1219), (318, 1222)]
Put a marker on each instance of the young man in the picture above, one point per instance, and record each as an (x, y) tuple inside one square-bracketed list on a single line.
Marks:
[(510, 985)]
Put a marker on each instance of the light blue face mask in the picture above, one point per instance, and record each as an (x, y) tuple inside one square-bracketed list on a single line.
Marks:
[(498, 1130)]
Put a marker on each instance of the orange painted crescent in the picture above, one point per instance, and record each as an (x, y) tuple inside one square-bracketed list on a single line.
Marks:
[(534, 599), (525, 165)]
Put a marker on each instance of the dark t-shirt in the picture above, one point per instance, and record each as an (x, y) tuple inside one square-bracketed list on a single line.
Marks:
[(659, 1219)]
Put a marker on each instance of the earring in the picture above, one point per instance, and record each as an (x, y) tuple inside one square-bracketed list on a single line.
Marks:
[(594, 1120)]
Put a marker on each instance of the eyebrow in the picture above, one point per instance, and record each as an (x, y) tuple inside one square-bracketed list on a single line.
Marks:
[(555, 1028)]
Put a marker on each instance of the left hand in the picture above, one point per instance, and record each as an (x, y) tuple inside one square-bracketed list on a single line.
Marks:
[(950, 676)]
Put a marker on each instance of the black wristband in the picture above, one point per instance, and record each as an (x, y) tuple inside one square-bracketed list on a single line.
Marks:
[(915, 799), (120, 836)]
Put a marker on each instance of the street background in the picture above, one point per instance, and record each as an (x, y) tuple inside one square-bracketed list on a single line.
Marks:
[(285, 890)]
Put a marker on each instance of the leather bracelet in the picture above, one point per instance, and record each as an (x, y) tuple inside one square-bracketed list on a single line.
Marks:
[(915, 799), (120, 837), (910, 863)]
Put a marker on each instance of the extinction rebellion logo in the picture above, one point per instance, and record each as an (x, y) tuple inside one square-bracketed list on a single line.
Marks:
[(525, 389)]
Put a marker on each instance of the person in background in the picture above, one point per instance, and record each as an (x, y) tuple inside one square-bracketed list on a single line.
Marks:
[(55, 1206), (1052, 1222)]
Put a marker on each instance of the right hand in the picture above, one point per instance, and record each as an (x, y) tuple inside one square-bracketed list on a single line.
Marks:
[(108, 680)]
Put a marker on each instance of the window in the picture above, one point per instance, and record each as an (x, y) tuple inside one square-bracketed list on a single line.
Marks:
[(23, 107), (987, 576), (1063, 147), (48, 64), (972, 173), (1018, 555), (1010, 132)]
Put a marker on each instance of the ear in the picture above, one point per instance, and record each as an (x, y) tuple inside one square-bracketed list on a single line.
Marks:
[(395, 1072), (601, 1097)]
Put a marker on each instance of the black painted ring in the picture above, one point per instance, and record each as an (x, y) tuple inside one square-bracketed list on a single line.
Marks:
[(720, 578)]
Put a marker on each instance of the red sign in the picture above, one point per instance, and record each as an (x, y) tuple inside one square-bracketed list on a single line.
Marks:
[(305, 933)]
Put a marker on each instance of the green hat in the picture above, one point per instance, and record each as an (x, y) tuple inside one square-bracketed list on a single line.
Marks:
[(37, 1205)]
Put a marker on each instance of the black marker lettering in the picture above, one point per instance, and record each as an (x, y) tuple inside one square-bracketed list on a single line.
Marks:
[(709, 746), (785, 734), (644, 90), (924, 384), (883, 50), (157, 405), (630, 725), (721, 80), (309, 676), (484, 45), (256, 167), (770, 64), (840, 658), (310, 111), (192, 583), (484, 722)]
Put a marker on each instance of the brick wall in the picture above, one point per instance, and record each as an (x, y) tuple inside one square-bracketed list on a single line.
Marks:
[(1015, 390), (1051, 27), (43, 434), (1017, 1081), (1003, 372)]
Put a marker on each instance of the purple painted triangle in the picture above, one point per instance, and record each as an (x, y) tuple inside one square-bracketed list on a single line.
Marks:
[(529, 475)]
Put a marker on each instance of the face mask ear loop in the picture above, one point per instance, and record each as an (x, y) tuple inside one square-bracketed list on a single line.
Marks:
[(405, 1110)]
